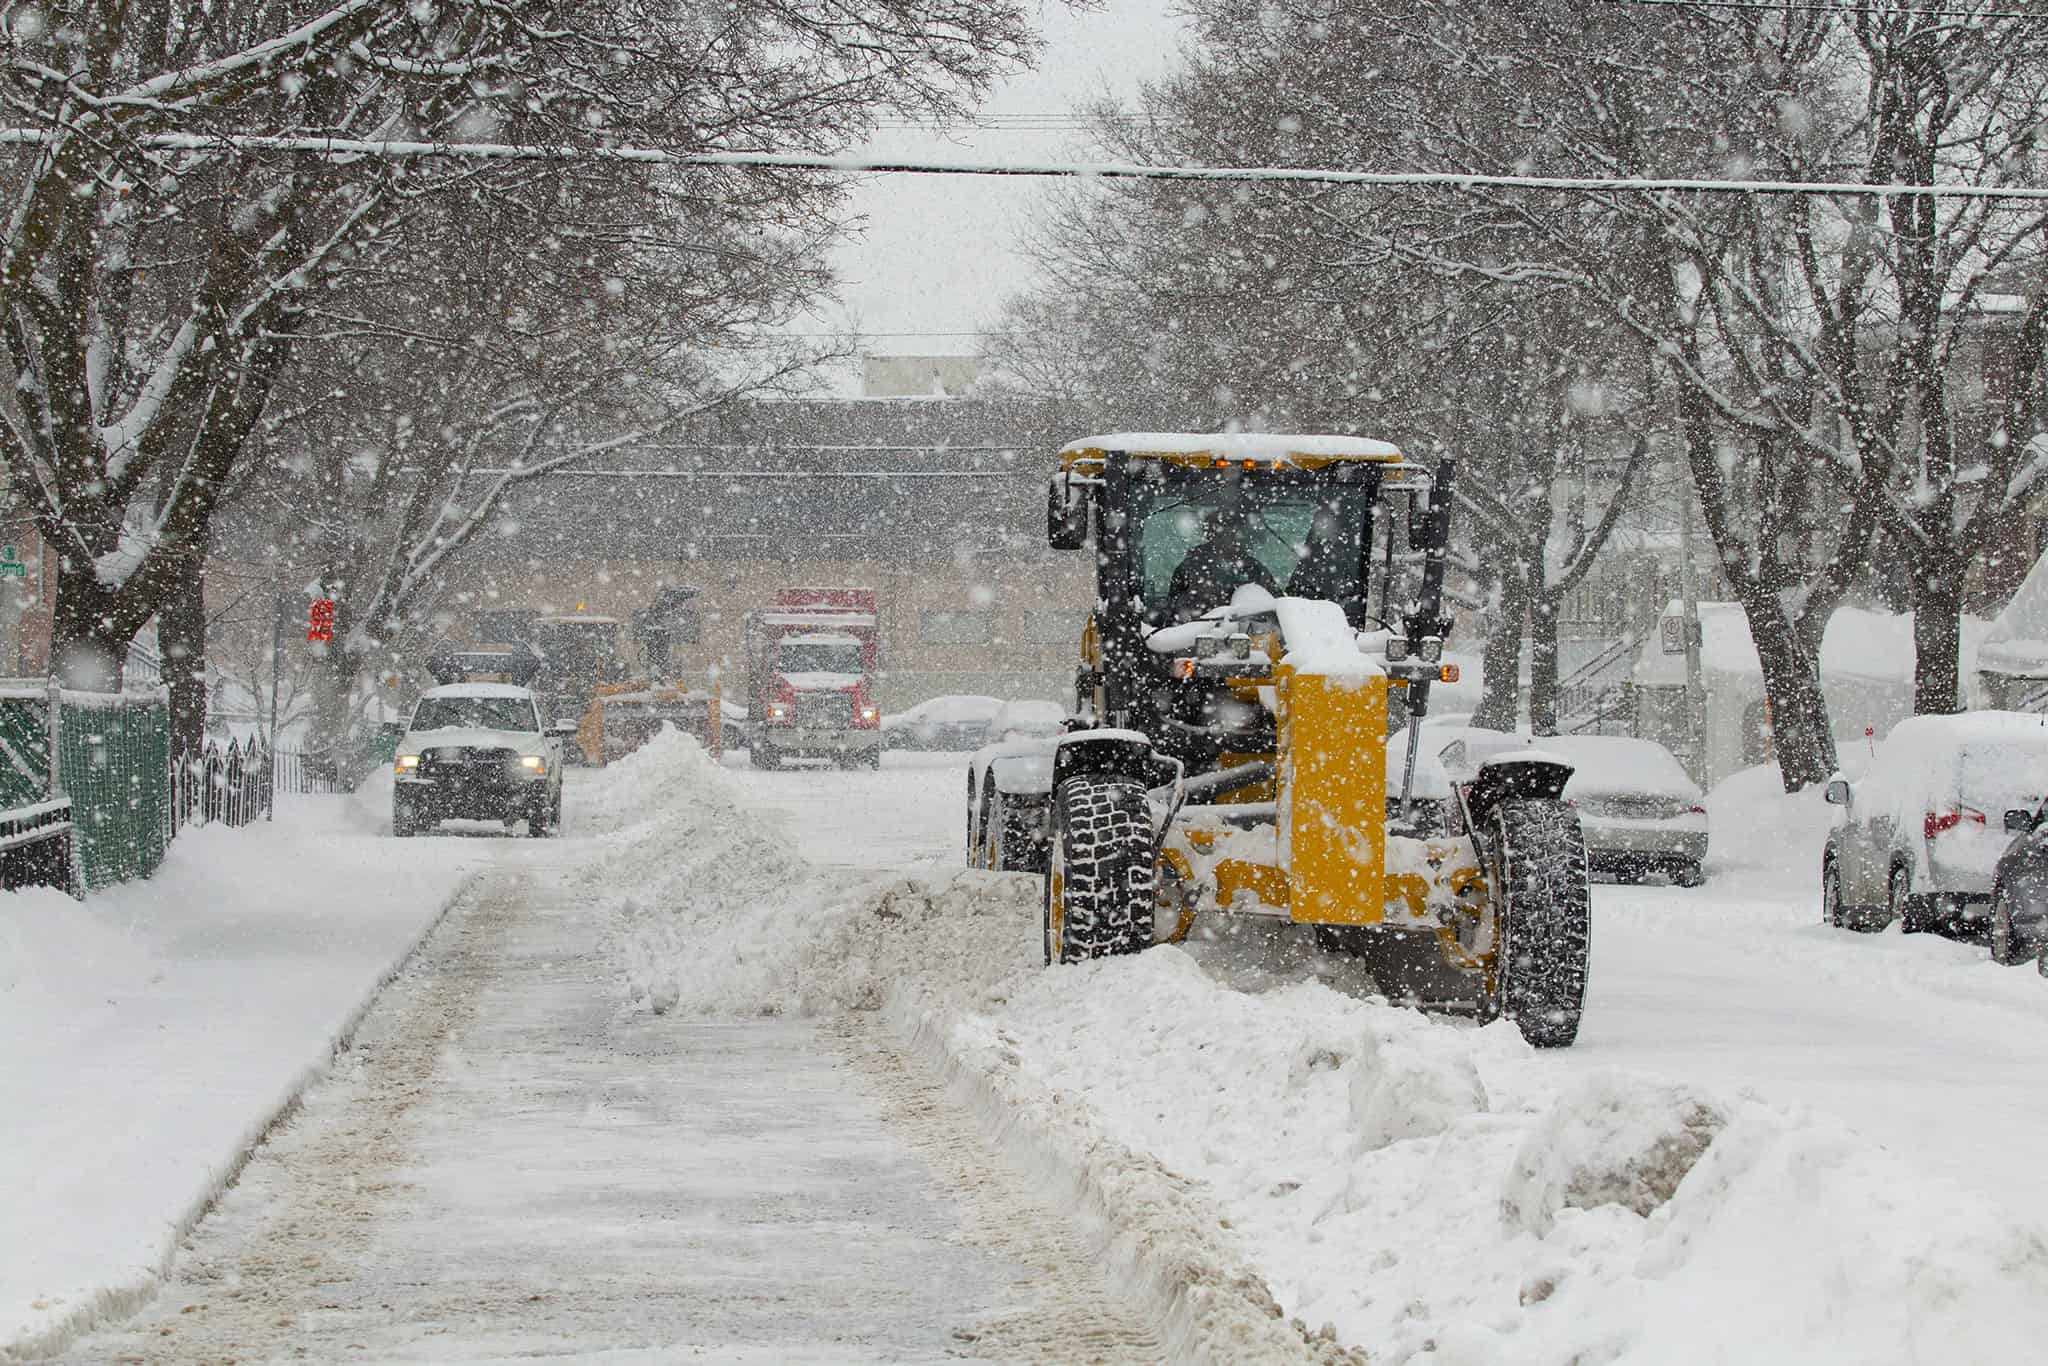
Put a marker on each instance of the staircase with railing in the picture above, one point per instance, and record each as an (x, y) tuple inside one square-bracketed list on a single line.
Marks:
[(1597, 697)]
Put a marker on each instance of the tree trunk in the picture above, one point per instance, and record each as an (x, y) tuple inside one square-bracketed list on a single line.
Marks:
[(86, 654), (1937, 640), (1500, 702), (1800, 731), (1543, 662), (181, 632)]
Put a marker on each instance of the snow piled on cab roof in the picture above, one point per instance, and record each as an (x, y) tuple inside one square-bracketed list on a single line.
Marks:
[(1272, 447), (478, 690)]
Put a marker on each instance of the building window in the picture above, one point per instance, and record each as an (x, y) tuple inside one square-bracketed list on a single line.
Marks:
[(957, 628), (1052, 628)]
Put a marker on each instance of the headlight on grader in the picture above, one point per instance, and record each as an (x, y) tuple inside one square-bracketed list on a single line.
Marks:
[(1240, 645), (1431, 649), (1207, 647), (1397, 649)]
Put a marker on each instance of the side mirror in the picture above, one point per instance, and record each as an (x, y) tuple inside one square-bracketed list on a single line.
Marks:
[(2019, 822), (1837, 793), (1066, 515), (562, 729)]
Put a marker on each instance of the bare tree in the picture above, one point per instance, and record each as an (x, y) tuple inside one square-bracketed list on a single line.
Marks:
[(152, 298)]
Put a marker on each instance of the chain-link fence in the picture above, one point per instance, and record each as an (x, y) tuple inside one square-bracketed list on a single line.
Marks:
[(110, 785)]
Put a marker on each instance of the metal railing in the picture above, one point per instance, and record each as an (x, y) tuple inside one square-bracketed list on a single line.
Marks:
[(231, 785)]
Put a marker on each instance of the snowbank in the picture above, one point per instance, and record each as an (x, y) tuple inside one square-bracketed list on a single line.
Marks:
[(151, 1032), (1272, 1147)]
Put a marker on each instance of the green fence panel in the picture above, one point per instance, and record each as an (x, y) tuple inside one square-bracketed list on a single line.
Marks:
[(115, 754), (115, 758), (24, 748)]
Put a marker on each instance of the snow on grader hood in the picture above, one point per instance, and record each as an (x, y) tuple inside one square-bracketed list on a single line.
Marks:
[(1235, 699)]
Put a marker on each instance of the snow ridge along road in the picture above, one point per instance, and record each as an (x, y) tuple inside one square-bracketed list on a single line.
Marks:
[(1733, 1166)]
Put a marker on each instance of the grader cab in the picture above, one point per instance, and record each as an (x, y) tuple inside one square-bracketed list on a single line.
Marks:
[(1238, 701)]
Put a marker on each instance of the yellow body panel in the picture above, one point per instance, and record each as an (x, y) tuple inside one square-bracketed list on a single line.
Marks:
[(1333, 796)]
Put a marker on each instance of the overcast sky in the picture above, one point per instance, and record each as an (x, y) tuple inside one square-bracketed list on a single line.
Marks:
[(936, 255)]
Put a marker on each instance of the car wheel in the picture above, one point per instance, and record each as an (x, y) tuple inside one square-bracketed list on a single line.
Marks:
[(403, 825), (1689, 875), (2008, 947), (1831, 897), (1903, 906)]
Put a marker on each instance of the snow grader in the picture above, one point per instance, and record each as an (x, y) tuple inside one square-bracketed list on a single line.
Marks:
[(1247, 731)]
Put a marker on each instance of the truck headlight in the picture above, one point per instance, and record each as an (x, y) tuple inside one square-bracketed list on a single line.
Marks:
[(1431, 649), (407, 763), (1208, 646), (1397, 649), (778, 711), (1240, 645), (533, 764), (869, 715)]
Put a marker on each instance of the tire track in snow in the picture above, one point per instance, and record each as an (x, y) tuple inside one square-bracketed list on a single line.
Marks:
[(1074, 1314)]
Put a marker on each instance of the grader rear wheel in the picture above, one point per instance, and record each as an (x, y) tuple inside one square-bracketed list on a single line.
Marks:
[(1542, 919), (1099, 884)]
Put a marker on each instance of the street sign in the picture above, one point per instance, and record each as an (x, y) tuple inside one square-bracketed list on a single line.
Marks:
[(10, 567), (320, 619), (1672, 629)]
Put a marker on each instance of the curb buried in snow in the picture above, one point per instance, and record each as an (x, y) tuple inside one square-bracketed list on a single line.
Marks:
[(1162, 1231), (110, 1304)]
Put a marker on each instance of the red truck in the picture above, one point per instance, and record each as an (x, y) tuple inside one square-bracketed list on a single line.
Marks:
[(811, 658)]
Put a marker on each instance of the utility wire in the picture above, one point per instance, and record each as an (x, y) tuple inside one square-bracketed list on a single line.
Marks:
[(349, 149), (1780, 6)]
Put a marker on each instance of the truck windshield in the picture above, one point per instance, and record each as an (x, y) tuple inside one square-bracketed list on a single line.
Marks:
[(474, 713), (1198, 541), (826, 657)]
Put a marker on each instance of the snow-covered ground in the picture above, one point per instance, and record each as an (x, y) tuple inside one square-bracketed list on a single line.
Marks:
[(147, 1032), (1773, 1141)]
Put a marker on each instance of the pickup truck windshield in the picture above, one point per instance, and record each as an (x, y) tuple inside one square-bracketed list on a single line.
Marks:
[(474, 713)]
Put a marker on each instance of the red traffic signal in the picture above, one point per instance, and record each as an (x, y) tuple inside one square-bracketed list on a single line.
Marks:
[(320, 619)]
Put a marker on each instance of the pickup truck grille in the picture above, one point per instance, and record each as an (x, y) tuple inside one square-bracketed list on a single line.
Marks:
[(475, 765), (828, 710)]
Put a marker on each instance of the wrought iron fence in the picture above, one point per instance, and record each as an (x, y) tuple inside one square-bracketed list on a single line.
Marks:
[(230, 785), (305, 771)]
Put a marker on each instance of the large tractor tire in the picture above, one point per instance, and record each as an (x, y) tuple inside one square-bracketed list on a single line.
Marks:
[(1099, 882), (1543, 918)]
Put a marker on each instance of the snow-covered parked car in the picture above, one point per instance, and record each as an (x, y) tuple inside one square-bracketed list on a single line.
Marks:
[(478, 751), (956, 721), (1641, 813), (1921, 832), (1009, 787)]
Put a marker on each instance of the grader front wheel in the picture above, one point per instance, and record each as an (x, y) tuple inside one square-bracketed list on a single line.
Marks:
[(1542, 919), (1099, 885)]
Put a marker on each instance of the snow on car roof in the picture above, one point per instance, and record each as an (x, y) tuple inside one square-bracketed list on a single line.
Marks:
[(1619, 765), (478, 690), (1267, 447), (821, 638)]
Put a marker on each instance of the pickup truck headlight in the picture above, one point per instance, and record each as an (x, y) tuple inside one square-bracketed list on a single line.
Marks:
[(869, 715), (778, 711), (533, 764), (408, 763)]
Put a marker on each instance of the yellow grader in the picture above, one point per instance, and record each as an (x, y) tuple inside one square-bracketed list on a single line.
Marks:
[(1246, 732)]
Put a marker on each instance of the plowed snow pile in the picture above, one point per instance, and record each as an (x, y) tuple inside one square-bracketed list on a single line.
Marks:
[(1429, 1191)]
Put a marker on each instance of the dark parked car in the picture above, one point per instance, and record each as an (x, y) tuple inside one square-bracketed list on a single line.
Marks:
[(2019, 891)]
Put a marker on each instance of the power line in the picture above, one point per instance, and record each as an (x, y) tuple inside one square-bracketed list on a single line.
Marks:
[(353, 148), (1778, 6)]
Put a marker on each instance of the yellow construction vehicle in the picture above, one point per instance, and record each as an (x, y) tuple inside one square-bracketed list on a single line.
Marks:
[(1237, 706)]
